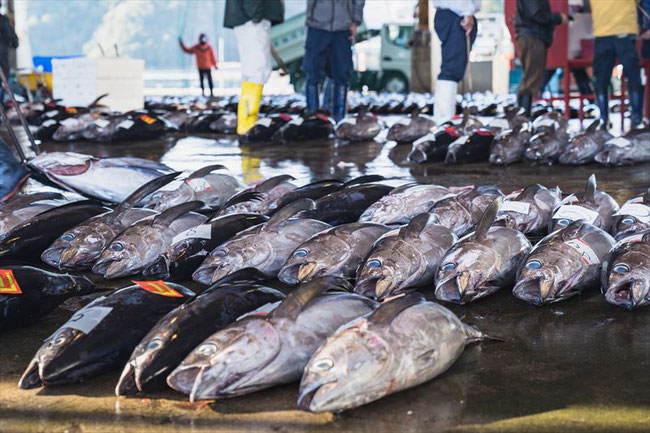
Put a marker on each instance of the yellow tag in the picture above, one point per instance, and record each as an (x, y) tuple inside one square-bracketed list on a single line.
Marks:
[(158, 288), (147, 119), (8, 283), (71, 110)]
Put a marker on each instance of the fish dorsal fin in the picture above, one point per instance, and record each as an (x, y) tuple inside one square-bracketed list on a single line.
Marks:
[(364, 179), (272, 182), (95, 103), (404, 187), (590, 189), (487, 219), (297, 300), (387, 311), (416, 111), (288, 211), (25, 200), (168, 216), (594, 126), (206, 170), (139, 194), (246, 274), (414, 228), (240, 197)]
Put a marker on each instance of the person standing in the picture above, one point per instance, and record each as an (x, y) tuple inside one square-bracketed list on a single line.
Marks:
[(534, 27), (8, 41), (252, 21), (615, 31), (205, 60), (456, 28), (331, 28)]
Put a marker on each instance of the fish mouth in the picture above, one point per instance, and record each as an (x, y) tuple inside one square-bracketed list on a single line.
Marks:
[(417, 156), (182, 379), (625, 295), (206, 274), (536, 291), (126, 385), (31, 378), (158, 269), (367, 286), (309, 393), (53, 256), (308, 271), (289, 274), (72, 259), (111, 268)]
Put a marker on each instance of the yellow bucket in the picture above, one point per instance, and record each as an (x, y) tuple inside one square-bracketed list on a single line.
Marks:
[(30, 80)]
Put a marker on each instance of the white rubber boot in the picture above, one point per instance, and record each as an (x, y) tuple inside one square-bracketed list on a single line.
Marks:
[(445, 100)]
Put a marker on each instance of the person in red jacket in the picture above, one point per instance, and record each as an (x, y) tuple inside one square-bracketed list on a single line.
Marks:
[(205, 59)]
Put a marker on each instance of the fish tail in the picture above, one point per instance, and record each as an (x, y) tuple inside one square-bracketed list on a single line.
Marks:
[(475, 335)]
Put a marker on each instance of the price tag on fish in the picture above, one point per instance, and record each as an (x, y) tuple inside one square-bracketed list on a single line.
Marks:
[(125, 124), (8, 283), (86, 319), (48, 123), (587, 254), (198, 184), (265, 122), (515, 206), (575, 213), (297, 121), (102, 123), (203, 231), (619, 142), (461, 140), (639, 211)]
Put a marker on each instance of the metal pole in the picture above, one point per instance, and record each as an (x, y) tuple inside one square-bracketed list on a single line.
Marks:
[(23, 121)]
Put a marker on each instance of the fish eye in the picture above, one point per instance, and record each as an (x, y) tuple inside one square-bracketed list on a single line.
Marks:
[(67, 237), (323, 365), (300, 253), (628, 220), (621, 269), (220, 252), (117, 246), (374, 263), (448, 266), (207, 349), (563, 222), (534, 264), (154, 344)]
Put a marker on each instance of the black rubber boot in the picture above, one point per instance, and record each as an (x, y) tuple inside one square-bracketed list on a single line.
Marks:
[(339, 102), (311, 96), (636, 103), (603, 105), (525, 101)]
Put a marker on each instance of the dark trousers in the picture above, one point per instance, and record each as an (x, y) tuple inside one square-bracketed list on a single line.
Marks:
[(532, 54), (609, 48), (333, 47), (203, 74), (453, 44), (580, 75)]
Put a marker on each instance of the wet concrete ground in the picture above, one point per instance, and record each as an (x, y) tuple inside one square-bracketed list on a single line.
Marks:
[(579, 365)]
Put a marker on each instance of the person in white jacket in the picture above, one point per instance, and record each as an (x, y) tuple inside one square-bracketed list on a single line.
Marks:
[(455, 25)]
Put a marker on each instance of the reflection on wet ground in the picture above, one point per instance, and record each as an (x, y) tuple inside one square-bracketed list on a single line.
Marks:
[(579, 365)]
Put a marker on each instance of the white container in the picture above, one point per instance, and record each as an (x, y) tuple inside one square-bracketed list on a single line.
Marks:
[(79, 81)]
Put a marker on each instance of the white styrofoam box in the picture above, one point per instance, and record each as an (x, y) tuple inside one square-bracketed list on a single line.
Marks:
[(79, 81)]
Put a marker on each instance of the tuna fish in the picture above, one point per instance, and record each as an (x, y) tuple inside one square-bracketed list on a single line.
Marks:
[(265, 201), (462, 212), (102, 335), (629, 149), (470, 148), (28, 293), (28, 240), (259, 352), (25, 207), (407, 130), (79, 248), (139, 246), (316, 127), (337, 251), (265, 247), (204, 185), (404, 202), (482, 262), (582, 148), (592, 206), (87, 174), (633, 217), (362, 127), (131, 126), (546, 147), (563, 264), (404, 343), (626, 272), (529, 210), (264, 128), (433, 146), (509, 146), (404, 258), (186, 326), (71, 129)]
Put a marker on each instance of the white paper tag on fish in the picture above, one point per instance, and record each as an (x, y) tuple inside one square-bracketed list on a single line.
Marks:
[(69, 123), (265, 122), (640, 211), (544, 121), (431, 136), (48, 123), (575, 213), (460, 140), (403, 121), (52, 113), (350, 120), (203, 231), (297, 121), (588, 255), (264, 310), (86, 319), (619, 142), (102, 123), (569, 199), (171, 186), (125, 124), (628, 240), (198, 184), (500, 123), (515, 206)]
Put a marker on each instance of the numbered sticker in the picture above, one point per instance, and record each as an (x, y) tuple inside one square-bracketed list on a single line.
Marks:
[(8, 283), (515, 206), (203, 231), (198, 184), (264, 310), (86, 319), (297, 121), (575, 213), (619, 142), (125, 124), (587, 255), (158, 288), (265, 122), (102, 123), (640, 211)]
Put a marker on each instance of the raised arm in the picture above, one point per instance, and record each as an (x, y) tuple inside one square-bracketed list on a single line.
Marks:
[(184, 48)]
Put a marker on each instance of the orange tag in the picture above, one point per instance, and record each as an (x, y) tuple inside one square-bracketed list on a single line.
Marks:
[(147, 119), (71, 110), (158, 288), (8, 283)]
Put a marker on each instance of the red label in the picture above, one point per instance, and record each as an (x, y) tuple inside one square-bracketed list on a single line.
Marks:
[(158, 288), (284, 116), (451, 131), (71, 110), (322, 117), (147, 119), (8, 283), (484, 132)]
